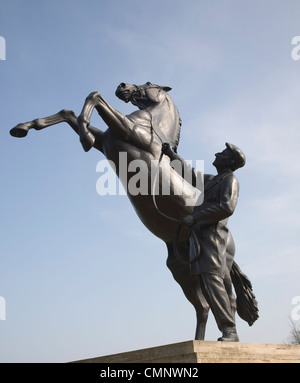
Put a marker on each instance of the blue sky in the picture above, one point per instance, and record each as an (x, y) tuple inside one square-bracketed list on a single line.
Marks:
[(80, 274)]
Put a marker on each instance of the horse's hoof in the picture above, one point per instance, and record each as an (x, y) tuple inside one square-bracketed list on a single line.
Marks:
[(87, 141), (20, 130)]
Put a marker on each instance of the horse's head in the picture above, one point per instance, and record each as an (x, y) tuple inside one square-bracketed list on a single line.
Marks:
[(165, 118), (141, 95)]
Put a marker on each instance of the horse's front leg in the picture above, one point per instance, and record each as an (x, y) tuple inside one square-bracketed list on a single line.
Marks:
[(21, 130), (68, 116), (115, 120)]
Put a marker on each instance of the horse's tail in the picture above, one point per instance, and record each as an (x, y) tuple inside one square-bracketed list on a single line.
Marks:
[(247, 307)]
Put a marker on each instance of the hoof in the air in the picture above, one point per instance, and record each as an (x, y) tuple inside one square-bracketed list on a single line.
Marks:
[(20, 130)]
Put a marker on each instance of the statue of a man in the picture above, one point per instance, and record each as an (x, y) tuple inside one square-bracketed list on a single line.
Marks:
[(209, 221)]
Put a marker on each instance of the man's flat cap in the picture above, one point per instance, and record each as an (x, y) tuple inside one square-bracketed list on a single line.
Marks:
[(239, 156)]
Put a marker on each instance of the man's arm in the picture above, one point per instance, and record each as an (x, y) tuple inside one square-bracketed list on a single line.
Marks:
[(189, 173), (210, 213)]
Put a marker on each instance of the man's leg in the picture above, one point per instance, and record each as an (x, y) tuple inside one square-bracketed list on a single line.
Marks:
[(228, 288), (220, 305)]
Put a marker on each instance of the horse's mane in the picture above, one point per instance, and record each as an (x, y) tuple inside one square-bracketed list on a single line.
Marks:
[(166, 133)]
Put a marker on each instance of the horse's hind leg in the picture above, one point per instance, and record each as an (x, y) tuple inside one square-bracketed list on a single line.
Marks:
[(192, 290), (202, 308), (68, 116)]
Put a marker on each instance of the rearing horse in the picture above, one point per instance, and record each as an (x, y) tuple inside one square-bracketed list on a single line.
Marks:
[(141, 135)]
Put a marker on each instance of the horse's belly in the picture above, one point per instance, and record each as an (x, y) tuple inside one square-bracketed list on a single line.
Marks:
[(138, 172), (158, 224), (161, 214)]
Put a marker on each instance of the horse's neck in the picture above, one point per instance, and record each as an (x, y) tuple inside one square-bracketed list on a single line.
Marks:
[(162, 117), (166, 121)]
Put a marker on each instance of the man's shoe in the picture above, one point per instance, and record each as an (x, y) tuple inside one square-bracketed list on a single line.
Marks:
[(229, 335)]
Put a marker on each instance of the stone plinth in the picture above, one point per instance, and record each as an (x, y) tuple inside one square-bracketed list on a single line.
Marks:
[(206, 352)]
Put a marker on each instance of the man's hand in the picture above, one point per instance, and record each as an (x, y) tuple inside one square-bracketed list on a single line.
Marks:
[(188, 220), (166, 149)]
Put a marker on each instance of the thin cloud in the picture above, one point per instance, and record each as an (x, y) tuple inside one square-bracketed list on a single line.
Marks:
[(269, 136), (282, 263)]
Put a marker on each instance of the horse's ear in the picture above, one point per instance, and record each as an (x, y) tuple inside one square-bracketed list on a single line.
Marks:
[(166, 88), (154, 92)]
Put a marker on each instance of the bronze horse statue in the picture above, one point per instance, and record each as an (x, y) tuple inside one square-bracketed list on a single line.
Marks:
[(141, 135)]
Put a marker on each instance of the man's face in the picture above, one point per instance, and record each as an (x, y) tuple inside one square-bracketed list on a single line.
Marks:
[(223, 158)]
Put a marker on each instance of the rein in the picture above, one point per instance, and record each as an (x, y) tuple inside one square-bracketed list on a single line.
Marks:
[(179, 221)]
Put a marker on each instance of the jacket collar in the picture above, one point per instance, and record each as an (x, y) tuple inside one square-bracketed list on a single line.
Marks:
[(214, 181)]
